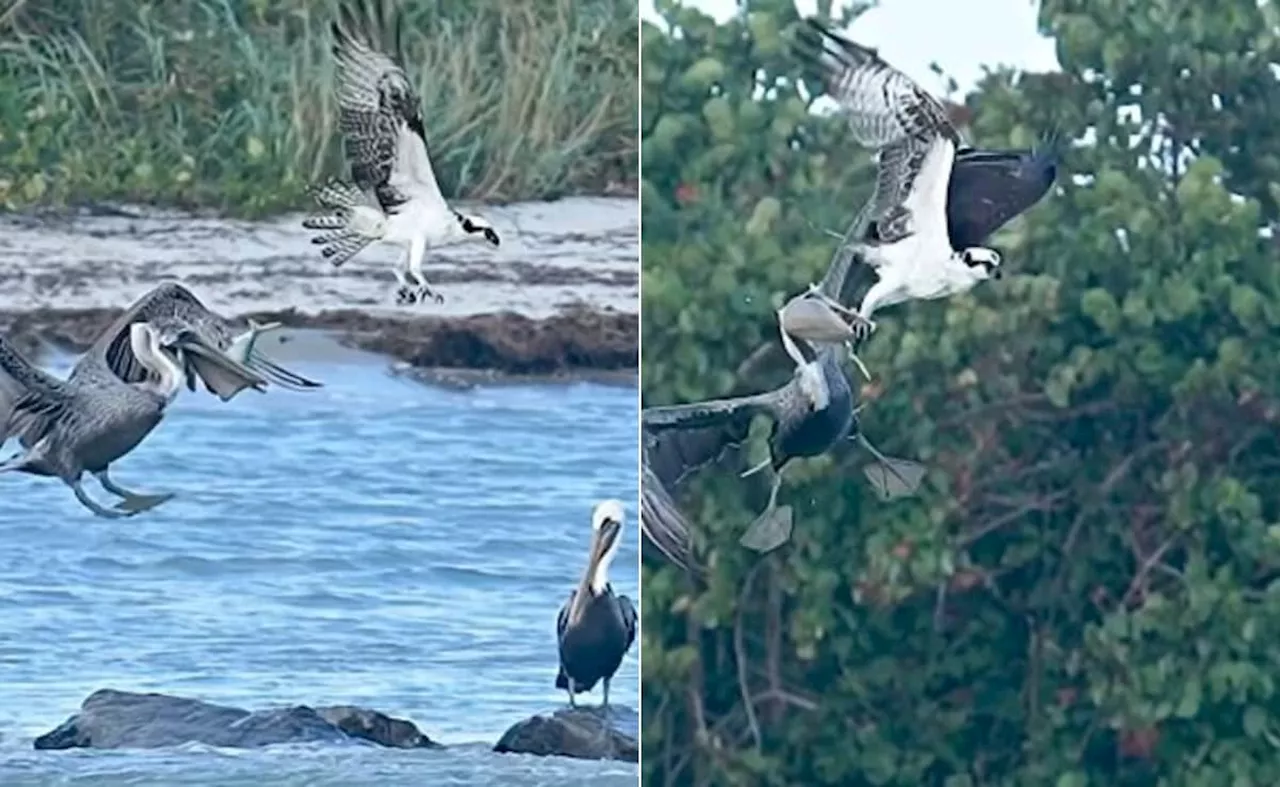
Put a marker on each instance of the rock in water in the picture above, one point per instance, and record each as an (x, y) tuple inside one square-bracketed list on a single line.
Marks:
[(111, 719), (377, 727), (585, 733)]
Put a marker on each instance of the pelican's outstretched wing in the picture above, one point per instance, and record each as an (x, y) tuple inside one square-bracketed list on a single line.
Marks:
[(662, 523), (206, 344), (737, 411), (379, 112), (30, 398), (669, 457)]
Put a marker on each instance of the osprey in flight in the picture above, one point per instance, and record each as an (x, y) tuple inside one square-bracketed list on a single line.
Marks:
[(395, 197), (936, 199)]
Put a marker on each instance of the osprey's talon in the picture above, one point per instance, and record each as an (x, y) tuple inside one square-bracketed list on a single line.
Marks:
[(832, 303), (405, 295), (863, 330), (423, 292)]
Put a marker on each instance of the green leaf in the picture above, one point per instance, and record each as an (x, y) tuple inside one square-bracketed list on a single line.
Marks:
[(1255, 721), (1189, 705), (1073, 779), (763, 217)]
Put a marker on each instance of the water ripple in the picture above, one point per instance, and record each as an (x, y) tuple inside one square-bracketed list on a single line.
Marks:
[(377, 543)]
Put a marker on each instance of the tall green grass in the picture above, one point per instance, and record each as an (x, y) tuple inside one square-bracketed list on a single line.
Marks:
[(229, 104)]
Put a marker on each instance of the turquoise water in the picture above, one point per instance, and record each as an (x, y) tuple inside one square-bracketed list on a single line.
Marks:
[(378, 543)]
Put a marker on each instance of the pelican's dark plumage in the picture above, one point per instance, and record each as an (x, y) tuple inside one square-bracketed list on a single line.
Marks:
[(595, 628), (812, 412), (119, 390), (88, 421)]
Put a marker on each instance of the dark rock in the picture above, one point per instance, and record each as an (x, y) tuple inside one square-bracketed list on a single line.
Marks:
[(573, 341), (111, 719), (379, 728), (584, 733)]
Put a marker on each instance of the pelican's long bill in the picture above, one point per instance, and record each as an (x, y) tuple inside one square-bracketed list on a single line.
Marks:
[(603, 543)]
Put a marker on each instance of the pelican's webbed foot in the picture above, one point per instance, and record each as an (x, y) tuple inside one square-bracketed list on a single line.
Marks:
[(132, 502), (770, 530), (136, 504), (894, 478), (891, 478), (94, 506)]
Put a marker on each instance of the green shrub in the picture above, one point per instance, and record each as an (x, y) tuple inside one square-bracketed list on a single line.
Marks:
[(1084, 595), (230, 104)]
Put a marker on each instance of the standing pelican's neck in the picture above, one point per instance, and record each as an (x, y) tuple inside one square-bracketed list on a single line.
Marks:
[(146, 347), (599, 574), (594, 581)]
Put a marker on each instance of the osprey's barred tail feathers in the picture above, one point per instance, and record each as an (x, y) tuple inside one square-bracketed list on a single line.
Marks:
[(350, 220)]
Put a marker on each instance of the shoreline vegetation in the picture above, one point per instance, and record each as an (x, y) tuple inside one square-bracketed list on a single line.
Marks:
[(228, 105), (580, 345)]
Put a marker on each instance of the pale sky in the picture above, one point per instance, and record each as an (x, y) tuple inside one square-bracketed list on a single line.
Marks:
[(961, 36)]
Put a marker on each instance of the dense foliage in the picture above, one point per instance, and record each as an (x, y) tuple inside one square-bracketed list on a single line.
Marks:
[(1086, 593), (230, 103)]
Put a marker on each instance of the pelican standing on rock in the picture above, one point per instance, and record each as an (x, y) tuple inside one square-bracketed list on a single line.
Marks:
[(395, 198), (87, 421), (595, 628)]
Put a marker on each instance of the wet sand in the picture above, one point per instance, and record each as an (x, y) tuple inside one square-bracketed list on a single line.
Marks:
[(559, 298)]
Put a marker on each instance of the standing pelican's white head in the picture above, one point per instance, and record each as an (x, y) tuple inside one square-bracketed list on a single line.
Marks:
[(606, 525), (145, 343)]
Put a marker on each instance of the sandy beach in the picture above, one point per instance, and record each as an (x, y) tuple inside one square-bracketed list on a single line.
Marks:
[(559, 298)]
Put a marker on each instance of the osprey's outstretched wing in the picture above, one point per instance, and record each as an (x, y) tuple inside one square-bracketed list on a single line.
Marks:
[(380, 113), (990, 187), (901, 123)]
